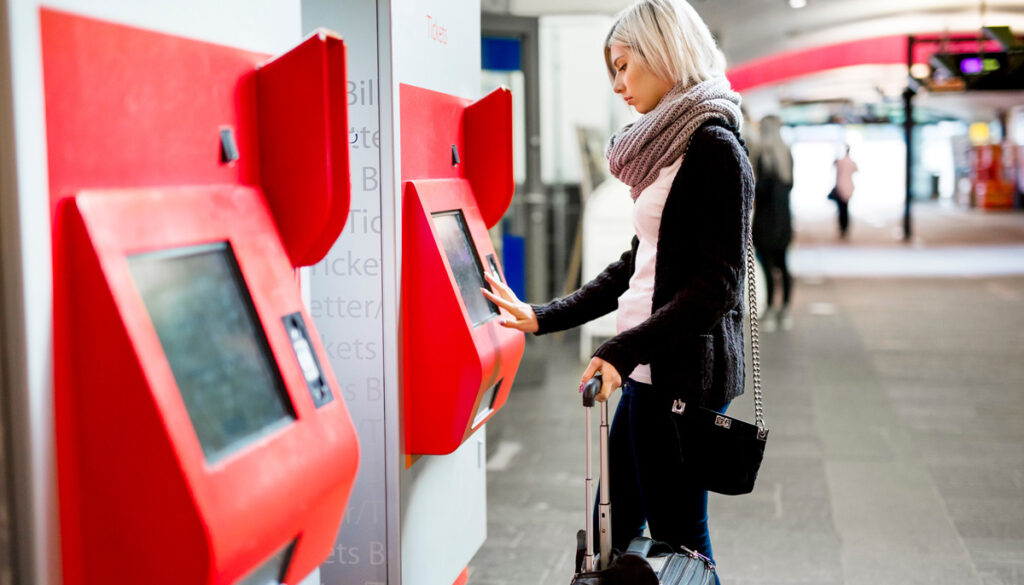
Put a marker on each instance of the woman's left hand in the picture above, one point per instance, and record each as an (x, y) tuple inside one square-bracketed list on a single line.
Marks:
[(610, 378)]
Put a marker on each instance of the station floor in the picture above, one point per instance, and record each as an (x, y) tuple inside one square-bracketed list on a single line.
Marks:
[(896, 409)]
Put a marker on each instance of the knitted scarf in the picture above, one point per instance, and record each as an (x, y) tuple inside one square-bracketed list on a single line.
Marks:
[(641, 149)]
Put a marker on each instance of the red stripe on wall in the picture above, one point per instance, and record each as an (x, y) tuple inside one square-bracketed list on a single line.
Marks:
[(785, 66), (890, 50)]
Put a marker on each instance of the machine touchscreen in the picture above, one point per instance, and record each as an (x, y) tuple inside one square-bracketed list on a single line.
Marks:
[(465, 264), (200, 307)]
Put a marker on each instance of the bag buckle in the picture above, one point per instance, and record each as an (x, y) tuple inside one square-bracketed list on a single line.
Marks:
[(678, 406), (723, 421), (762, 434)]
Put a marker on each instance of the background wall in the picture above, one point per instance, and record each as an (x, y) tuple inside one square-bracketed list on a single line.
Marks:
[(574, 90)]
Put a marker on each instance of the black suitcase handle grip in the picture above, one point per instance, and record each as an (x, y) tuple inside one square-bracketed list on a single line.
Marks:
[(591, 390), (640, 546)]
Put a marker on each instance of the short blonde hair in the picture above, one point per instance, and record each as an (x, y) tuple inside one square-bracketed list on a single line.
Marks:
[(669, 38)]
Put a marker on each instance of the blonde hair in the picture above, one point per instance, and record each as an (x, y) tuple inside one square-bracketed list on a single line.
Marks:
[(669, 38)]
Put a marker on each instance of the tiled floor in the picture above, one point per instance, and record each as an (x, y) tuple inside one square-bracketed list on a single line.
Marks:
[(896, 406)]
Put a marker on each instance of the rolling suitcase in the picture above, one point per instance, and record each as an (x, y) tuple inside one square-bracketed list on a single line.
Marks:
[(644, 562)]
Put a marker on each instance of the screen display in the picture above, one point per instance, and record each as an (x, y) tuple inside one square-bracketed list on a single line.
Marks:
[(203, 314), (465, 264)]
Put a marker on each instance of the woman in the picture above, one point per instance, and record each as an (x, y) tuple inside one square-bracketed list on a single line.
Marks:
[(843, 192), (678, 288), (773, 226)]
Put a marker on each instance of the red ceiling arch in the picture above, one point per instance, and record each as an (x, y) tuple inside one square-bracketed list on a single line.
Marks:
[(889, 50)]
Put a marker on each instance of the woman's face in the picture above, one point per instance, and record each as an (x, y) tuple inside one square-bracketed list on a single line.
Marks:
[(638, 85)]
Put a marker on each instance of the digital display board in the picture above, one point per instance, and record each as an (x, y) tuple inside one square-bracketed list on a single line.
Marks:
[(465, 264), (200, 307), (978, 65)]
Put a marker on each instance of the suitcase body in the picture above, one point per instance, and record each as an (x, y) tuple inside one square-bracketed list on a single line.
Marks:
[(645, 562)]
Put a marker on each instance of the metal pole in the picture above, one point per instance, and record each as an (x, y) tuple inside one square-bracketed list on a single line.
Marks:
[(588, 557), (528, 215), (604, 505), (536, 206), (908, 134)]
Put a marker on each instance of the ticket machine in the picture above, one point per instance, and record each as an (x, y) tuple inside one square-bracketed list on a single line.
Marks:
[(201, 434), (458, 362)]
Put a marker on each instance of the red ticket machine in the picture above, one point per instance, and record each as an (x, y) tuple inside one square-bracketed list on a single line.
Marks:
[(458, 362), (201, 435)]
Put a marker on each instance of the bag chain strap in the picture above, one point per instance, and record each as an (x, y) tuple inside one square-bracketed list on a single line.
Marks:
[(755, 346)]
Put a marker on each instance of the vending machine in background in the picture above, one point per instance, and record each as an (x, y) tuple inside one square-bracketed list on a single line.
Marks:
[(991, 175), (1015, 123)]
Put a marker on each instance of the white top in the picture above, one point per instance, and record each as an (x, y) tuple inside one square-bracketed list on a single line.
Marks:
[(635, 305)]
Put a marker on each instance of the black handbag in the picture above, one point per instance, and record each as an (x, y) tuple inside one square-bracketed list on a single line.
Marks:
[(720, 453)]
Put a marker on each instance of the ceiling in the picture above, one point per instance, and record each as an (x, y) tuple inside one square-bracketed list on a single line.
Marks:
[(748, 29), (751, 29)]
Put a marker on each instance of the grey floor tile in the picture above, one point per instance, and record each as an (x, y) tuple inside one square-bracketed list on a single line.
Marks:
[(978, 517), (773, 555), (977, 480), (997, 551), (1001, 575)]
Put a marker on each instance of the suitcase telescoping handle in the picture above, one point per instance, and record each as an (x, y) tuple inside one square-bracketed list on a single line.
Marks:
[(590, 391)]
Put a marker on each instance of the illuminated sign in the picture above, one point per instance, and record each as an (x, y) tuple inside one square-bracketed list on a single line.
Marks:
[(979, 65), (976, 71)]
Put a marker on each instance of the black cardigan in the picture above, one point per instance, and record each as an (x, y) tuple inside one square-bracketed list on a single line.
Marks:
[(693, 341)]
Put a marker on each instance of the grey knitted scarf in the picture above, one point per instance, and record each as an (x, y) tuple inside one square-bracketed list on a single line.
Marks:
[(637, 152)]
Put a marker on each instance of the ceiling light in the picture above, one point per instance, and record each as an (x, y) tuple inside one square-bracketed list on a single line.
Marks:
[(797, 3)]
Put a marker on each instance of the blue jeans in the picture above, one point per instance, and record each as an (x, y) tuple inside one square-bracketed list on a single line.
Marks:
[(648, 484)]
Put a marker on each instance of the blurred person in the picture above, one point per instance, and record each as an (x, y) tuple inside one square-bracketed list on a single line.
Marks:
[(752, 138), (773, 223), (843, 191), (678, 289)]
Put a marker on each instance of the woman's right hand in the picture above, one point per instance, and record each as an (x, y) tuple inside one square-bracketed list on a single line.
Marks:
[(524, 317)]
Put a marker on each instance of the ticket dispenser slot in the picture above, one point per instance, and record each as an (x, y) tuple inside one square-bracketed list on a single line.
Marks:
[(458, 361), (271, 572), (304, 354), (201, 436)]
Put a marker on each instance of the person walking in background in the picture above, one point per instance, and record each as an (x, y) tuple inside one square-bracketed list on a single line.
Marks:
[(679, 287), (843, 192), (773, 224), (751, 137)]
